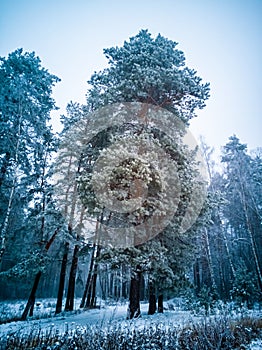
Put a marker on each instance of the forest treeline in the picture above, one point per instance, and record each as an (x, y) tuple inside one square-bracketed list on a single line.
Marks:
[(43, 252)]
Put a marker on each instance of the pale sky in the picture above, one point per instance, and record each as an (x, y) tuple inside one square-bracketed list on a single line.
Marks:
[(222, 40)]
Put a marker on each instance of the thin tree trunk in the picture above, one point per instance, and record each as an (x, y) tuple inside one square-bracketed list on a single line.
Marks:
[(209, 260), (223, 292), (69, 306), (88, 281), (62, 280), (197, 276), (160, 304), (89, 292), (31, 299), (85, 302), (152, 299), (134, 297), (31, 312), (232, 268), (94, 280), (93, 291), (124, 282)]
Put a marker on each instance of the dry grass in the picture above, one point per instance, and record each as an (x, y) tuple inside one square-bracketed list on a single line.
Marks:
[(208, 334)]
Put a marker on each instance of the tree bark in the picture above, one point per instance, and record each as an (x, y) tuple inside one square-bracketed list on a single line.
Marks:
[(197, 276), (88, 281), (89, 292), (62, 280), (93, 270), (152, 300), (209, 261), (160, 304), (91, 282), (31, 312), (94, 280), (134, 297), (31, 299), (93, 291), (69, 306)]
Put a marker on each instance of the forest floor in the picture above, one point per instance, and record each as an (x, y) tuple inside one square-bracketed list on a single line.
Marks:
[(105, 317)]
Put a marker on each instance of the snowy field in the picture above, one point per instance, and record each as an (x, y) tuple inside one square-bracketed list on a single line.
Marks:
[(104, 316), (108, 319)]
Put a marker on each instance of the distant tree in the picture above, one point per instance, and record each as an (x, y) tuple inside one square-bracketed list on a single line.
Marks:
[(242, 185), (234, 235)]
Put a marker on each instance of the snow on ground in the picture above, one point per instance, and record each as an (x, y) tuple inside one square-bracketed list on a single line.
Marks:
[(255, 345), (105, 316)]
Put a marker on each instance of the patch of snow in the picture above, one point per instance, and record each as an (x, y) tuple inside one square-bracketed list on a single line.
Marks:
[(255, 345), (105, 316)]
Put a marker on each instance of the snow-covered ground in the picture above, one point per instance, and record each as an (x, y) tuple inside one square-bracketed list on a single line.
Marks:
[(105, 316), (255, 345)]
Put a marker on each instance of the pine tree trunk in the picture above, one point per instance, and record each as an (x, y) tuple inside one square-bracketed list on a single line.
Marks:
[(94, 280), (31, 299), (160, 304), (62, 280), (210, 263), (93, 294), (31, 312), (222, 292), (89, 293), (134, 297), (233, 271), (152, 300), (88, 281), (197, 276), (69, 306), (124, 282)]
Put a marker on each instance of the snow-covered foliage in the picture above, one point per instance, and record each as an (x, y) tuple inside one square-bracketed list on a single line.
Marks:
[(149, 70)]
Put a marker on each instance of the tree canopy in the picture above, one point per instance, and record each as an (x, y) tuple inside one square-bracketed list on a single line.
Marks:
[(149, 71)]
